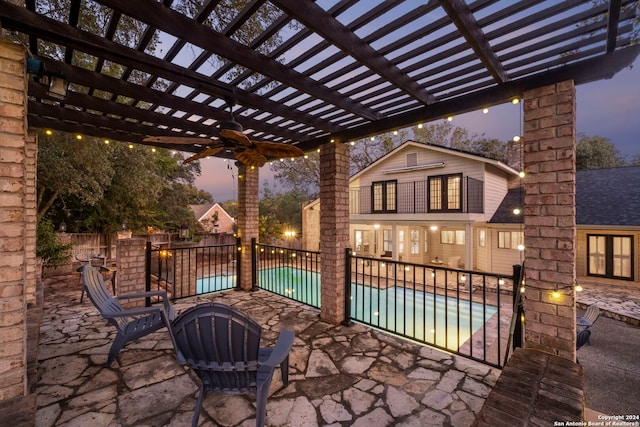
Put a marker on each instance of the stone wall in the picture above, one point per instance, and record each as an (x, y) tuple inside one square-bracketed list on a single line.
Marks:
[(334, 228), (550, 218)]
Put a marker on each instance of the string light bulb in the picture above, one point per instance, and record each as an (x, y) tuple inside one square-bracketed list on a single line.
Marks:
[(49, 132), (515, 101), (516, 138), (485, 110)]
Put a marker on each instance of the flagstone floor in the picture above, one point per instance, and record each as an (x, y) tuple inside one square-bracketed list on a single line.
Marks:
[(339, 376)]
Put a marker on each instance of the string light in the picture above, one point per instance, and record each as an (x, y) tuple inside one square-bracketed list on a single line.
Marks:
[(78, 137), (485, 110), (515, 101), (48, 132), (450, 118)]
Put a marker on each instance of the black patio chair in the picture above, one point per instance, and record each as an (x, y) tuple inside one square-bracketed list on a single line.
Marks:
[(221, 345), (132, 323), (581, 339)]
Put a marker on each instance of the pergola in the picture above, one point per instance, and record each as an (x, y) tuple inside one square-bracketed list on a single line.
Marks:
[(340, 70), (315, 75)]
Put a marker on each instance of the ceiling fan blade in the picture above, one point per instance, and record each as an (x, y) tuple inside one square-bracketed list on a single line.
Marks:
[(204, 153), (189, 140), (277, 149), (250, 157), (236, 136)]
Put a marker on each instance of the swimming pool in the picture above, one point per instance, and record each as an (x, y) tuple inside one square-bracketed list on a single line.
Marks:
[(434, 319)]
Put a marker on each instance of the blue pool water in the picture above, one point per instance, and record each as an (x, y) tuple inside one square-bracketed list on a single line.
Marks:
[(436, 319)]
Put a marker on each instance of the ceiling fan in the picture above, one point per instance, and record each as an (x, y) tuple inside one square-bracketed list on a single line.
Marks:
[(232, 139)]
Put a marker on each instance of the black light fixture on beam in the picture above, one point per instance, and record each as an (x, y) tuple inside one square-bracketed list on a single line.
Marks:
[(57, 84)]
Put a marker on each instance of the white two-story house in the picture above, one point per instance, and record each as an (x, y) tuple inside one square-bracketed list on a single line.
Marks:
[(428, 204)]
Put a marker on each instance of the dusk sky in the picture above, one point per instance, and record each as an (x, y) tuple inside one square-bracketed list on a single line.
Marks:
[(608, 108)]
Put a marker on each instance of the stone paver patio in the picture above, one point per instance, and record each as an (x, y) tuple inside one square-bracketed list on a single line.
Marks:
[(340, 376)]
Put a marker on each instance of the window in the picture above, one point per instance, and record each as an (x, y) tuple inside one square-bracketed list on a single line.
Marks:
[(452, 237), (445, 193), (482, 238), (447, 237), (387, 242), (610, 256), (426, 241), (510, 239), (400, 241), (415, 242), (383, 196), (361, 241)]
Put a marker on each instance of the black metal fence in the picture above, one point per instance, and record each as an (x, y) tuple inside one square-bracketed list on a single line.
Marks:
[(292, 273), (413, 197), (185, 271), (466, 312), (460, 311)]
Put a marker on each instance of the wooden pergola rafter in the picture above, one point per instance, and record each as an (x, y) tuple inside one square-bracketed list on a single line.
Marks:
[(343, 72)]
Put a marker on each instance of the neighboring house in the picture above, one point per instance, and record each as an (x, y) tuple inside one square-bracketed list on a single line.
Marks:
[(213, 218), (423, 203), (427, 204), (607, 223)]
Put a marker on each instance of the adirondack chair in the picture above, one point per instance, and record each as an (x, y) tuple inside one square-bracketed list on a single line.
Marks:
[(131, 324), (582, 338), (222, 346), (590, 317)]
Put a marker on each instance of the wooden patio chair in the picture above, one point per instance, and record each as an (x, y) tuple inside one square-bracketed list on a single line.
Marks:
[(222, 346), (133, 323)]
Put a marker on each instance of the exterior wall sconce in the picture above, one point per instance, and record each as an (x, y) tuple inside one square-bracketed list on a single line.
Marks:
[(184, 231), (57, 84)]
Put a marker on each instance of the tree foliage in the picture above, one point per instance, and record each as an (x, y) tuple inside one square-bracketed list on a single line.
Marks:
[(279, 213), (49, 248), (596, 152), (94, 186)]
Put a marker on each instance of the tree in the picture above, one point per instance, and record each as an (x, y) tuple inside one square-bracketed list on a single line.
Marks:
[(280, 212), (68, 167), (596, 152)]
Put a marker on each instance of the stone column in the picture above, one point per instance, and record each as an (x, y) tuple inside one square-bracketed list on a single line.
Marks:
[(248, 186), (550, 218), (17, 237), (130, 259), (334, 228)]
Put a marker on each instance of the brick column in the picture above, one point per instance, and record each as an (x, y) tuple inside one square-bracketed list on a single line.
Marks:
[(334, 228), (17, 236), (130, 259), (550, 218), (248, 186)]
